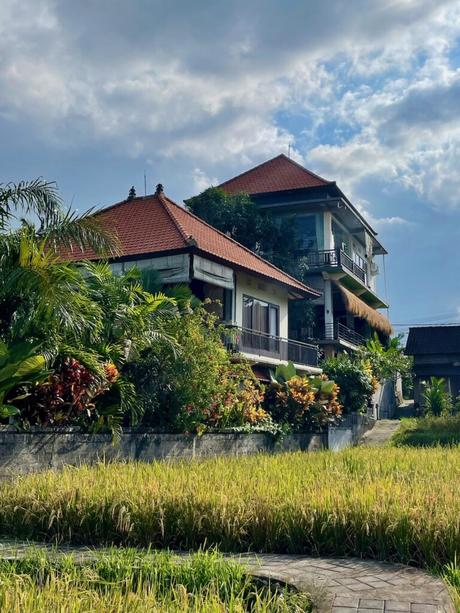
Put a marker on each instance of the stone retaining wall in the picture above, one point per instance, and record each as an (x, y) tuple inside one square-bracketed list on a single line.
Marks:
[(36, 450)]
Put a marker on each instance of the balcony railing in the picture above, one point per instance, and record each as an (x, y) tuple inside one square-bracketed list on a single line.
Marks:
[(267, 345), (335, 258), (340, 332)]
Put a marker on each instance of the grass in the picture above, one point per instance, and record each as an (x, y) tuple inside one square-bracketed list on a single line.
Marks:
[(127, 580), (394, 504), (428, 432)]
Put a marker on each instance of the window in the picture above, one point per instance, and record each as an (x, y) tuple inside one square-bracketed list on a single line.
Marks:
[(260, 316), (306, 230)]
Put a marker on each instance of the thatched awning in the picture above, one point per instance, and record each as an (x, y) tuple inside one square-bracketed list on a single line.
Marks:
[(359, 308)]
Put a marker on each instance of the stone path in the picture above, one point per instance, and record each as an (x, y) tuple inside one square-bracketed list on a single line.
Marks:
[(381, 433), (350, 585), (339, 585)]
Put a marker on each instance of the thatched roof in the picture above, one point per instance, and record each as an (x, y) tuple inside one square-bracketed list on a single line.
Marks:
[(359, 308)]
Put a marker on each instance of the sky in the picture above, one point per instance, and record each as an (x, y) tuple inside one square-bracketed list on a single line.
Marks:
[(94, 93)]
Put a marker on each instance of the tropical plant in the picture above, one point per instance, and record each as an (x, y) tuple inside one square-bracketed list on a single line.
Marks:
[(354, 379), (302, 402), (21, 365), (436, 399), (42, 297), (195, 384), (386, 361), (82, 315), (132, 318)]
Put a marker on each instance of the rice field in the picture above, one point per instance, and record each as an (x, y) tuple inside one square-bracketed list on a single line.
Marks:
[(397, 504), (128, 580)]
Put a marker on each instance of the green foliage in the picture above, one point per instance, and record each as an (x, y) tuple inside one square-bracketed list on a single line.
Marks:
[(302, 403), (386, 361), (284, 372), (436, 399), (428, 431), (354, 381), (238, 216), (196, 385), (80, 315), (21, 365)]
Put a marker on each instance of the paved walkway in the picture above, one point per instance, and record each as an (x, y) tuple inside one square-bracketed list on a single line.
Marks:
[(345, 585), (381, 433)]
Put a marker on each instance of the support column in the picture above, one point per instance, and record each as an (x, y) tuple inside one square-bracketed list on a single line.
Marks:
[(328, 310), (328, 237)]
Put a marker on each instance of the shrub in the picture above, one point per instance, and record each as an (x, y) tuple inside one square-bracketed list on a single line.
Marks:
[(302, 403), (436, 399), (386, 361), (355, 380), (197, 385), (68, 395)]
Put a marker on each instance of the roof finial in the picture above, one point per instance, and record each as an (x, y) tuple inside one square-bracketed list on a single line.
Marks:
[(132, 193), (159, 189)]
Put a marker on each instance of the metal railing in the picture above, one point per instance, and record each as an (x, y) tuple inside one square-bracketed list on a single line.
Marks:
[(268, 345), (335, 258), (338, 331)]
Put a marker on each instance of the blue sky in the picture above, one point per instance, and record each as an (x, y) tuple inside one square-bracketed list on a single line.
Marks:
[(92, 93)]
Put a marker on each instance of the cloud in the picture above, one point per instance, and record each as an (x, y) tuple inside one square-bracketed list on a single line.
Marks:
[(203, 84), (201, 181)]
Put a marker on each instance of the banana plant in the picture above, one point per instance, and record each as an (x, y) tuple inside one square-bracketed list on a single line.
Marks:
[(21, 364), (283, 373)]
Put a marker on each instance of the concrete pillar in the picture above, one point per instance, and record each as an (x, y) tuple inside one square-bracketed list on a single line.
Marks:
[(328, 238), (328, 310)]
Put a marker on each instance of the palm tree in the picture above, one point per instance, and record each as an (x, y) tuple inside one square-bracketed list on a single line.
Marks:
[(39, 293), (65, 309)]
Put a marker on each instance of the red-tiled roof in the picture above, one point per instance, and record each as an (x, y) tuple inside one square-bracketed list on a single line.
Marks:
[(155, 224), (276, 175)]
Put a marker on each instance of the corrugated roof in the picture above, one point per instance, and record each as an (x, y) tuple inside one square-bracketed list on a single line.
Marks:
[(433, 339), (155, 224), (275, 175)]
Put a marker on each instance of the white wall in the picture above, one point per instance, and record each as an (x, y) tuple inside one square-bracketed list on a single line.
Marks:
[(264, 290)]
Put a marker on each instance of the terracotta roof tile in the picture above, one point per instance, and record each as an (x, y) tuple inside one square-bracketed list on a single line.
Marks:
[(275, 175), (155, 224)]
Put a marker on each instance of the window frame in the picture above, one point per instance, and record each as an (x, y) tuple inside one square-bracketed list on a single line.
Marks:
[(271, 307)]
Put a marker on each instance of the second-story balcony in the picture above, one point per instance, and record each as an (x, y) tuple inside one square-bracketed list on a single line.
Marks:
[(352, 272), (336, 258), (269, 348), (340, 333)]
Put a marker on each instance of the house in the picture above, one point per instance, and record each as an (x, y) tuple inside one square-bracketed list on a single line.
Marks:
[(337, 244), (155, 233), (436, 353)]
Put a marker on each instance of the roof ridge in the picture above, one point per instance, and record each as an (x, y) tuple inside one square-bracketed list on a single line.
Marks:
[(283, 156), (166, 201), (205, 223), (125, 201)]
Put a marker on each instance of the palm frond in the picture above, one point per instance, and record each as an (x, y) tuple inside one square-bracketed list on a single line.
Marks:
[(38, 196), (81, 231)]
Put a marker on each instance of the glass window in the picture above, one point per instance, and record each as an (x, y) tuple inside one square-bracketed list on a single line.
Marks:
[(306, 230), (260, 316)]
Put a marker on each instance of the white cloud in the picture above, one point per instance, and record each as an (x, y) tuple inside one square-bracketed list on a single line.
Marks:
[(205, 83), (201, 181)]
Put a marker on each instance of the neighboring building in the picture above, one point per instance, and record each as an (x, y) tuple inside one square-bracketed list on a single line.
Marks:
[(338, 245), (155, 233), (436, 353)]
